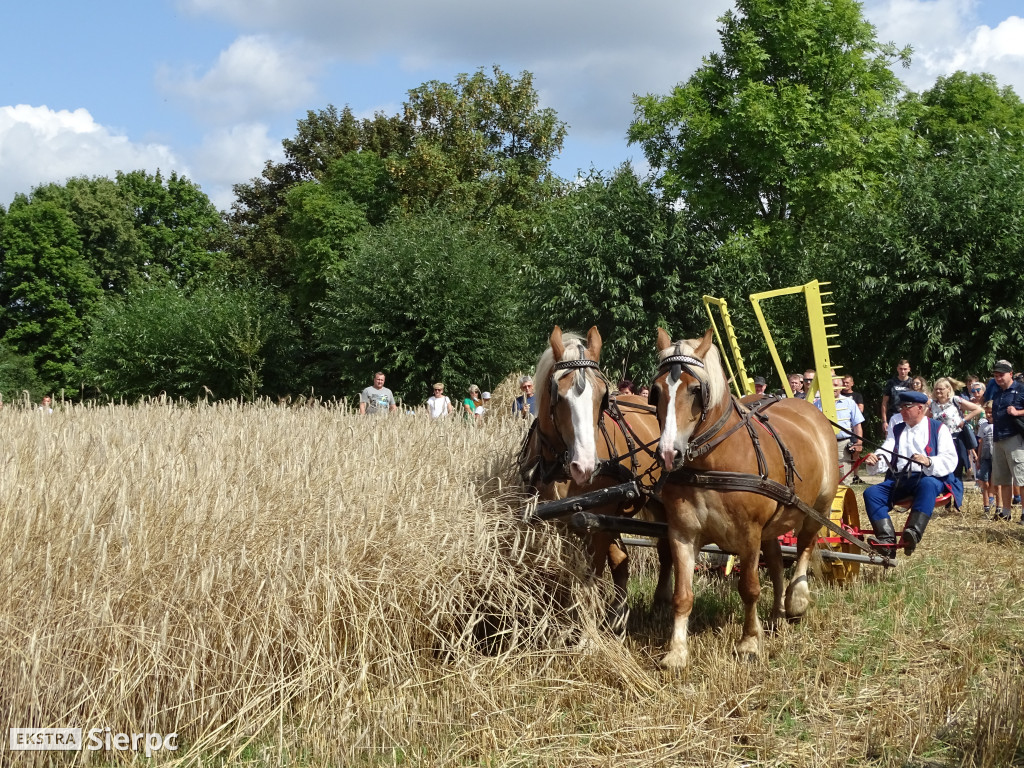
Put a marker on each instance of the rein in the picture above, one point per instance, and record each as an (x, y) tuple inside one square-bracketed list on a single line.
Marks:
[(719, 480)]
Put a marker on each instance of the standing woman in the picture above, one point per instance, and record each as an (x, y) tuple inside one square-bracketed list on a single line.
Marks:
[(954, 411), (438, 404), (471, 403), (920, 384)]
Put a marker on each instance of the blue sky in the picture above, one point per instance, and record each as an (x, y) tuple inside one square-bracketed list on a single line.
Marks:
[(209, 88)]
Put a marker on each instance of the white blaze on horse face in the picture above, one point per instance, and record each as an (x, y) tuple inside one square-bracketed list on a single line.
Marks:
[(673, 440), (584, 450)]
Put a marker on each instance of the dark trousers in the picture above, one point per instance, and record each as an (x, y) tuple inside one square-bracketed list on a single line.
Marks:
[(879, 499)]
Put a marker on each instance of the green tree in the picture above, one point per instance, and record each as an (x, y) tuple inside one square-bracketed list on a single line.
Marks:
[(47, 289), (610, 253), (18, 375), (795, 113), (326, 217), (235, 341), (967, 106), (479, 144), (924, 263), (426, 298), (140, 227), (260, 217)]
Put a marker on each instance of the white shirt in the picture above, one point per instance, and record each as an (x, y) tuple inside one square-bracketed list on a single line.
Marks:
[(438, 406), (915, 440)]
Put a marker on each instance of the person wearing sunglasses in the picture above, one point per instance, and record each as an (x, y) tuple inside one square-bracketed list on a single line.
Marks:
[(439, 404), (920, 459)]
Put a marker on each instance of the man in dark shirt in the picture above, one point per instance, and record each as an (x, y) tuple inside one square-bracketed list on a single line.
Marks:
[(1007, 398), (890, 394)]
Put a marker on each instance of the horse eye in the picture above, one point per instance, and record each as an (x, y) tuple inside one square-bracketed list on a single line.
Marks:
[(694, 390)]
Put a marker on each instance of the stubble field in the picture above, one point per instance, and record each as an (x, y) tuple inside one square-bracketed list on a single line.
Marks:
[(302, 586)]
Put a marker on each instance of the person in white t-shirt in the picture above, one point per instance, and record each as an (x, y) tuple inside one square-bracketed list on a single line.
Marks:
[(438, 404)]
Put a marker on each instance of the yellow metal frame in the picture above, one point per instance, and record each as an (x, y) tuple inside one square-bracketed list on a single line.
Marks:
[(741, 384), (822, 337)]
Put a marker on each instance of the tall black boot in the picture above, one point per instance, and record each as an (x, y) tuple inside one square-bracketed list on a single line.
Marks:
[(913, 531), (885, 537)]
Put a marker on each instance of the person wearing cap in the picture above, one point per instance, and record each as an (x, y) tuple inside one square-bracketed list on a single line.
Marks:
[(919, 458), (484, 407), (760, 385), (1007, 398)]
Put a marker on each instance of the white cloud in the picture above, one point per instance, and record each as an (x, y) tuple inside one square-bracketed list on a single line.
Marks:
[(233, 155), (588, 58), (254, 76), (946, 37), (39, 145)]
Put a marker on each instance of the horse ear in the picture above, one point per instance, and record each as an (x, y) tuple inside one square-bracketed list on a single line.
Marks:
[(556, 343), (594, 342), (705, 345), (664, 341)]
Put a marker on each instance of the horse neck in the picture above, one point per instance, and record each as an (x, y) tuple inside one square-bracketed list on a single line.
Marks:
[(720, 418)]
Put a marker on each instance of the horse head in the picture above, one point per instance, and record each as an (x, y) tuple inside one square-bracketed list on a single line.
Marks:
[(576, 395), (690, 384)]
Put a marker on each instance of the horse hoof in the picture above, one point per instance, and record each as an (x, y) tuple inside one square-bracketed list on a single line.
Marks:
[(746, 657), (673, 660)]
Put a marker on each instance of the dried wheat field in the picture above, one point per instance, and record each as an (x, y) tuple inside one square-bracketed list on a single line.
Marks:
[(302, 586)]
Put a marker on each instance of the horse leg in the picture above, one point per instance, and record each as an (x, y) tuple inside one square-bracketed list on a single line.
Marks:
[(773, 560), (749, 646), (663, 592), (798, 595), (618, 612), (684, 557)]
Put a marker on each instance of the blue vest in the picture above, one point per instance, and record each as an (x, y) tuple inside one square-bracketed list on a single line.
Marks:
[(952, 483)]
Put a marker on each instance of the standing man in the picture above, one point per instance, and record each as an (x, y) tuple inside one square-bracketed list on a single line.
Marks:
[(924, 475), (1007, 398), (848, 391), (890, 394), (850, 419), (526, 404), (378, 398)]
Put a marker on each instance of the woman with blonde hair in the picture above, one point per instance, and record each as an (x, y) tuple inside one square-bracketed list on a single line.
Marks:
[(472, 402), (954, 411)]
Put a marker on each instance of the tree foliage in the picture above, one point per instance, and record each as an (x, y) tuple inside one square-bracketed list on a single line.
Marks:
[(47, 289), (218, 339), (426, 298), (967, 107), (794, 112), (610, 253), (479, 143), (925, 263)]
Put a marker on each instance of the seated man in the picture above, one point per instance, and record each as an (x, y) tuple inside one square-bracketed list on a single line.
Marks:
[(921, 458)]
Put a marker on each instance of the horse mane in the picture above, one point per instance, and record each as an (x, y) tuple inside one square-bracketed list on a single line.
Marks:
[(713, 373)]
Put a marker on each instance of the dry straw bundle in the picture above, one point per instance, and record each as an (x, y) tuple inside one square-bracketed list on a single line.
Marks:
[(305, 586)]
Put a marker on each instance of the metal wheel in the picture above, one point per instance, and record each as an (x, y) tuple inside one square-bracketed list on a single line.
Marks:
[(845, 513)]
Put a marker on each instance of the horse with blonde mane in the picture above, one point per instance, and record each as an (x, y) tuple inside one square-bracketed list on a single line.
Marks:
[(738, 474), (586, 438)]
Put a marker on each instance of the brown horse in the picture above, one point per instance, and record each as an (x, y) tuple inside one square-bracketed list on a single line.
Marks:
[(584, 439), (739, 475)]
